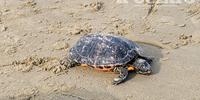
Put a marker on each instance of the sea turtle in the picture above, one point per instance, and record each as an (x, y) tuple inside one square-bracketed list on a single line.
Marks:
[(108, 53)]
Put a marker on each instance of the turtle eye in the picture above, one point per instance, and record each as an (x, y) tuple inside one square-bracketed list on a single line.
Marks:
[(143, 66)]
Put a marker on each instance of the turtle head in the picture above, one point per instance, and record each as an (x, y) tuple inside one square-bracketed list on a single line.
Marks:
[(142, 66)]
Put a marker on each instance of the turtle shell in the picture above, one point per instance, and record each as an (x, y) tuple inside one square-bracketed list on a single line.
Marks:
[(104, 50)]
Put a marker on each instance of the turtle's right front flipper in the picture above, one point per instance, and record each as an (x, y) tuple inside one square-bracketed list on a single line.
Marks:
[(123, 73)]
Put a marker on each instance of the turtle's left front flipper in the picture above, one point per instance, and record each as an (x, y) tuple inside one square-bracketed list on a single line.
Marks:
[(123, 73)]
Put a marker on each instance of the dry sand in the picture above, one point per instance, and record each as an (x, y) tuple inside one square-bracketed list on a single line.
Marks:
[(35, 34)]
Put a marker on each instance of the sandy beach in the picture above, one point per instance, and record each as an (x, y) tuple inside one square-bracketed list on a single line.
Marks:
[(36, 34)]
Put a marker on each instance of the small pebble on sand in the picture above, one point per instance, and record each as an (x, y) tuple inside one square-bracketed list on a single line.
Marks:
[(164, 59), (182, 25), (60, 46), (4, 28)]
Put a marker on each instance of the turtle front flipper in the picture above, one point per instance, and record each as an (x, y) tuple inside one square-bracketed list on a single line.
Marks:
[(68, 62), (123, 73)]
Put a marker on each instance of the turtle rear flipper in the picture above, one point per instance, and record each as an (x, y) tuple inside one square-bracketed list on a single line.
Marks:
[(123, 73), (67, 62)]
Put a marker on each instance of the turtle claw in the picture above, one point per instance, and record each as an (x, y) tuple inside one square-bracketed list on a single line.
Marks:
[(123, 71), (117, 81)]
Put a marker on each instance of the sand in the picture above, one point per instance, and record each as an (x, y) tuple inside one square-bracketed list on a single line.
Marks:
[(36, 34)]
